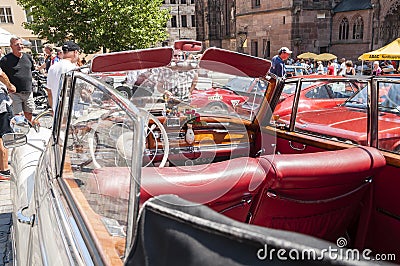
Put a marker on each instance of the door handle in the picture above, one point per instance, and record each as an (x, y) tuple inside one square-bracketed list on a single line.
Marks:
[(24, 219), (295, 148)]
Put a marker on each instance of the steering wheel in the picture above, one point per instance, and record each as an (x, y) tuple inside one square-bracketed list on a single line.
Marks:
[(125, 141)]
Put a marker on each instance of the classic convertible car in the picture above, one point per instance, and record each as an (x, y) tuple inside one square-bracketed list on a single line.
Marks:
[(94, 190)]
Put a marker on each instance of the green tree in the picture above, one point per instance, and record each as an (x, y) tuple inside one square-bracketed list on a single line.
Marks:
[(116, 25)]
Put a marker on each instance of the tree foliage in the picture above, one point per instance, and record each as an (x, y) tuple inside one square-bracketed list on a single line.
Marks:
[(94, 24)]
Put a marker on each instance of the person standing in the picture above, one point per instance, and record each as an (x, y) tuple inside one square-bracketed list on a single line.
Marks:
[(48, 50), (331, 68), (18, 66), (58, 57), (278, 62), (69, 62), (349, 68), (320, 68), (376, 70), (342, 68), (5, 117)]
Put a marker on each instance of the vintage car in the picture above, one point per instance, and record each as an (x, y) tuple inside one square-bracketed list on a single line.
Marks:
[(327, 92), (152, 180), (295, 70), (350, 120), (237, 95)]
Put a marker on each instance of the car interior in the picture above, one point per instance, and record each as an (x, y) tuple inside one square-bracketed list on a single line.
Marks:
[(230, 172)]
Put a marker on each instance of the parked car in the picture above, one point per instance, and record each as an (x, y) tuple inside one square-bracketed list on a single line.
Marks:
[(293, 70), (316, 95), (236, 95), (92, 191), (349, 121)]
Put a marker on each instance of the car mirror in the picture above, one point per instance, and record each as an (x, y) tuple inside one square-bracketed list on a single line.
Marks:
[(13, 140), (20, 124)]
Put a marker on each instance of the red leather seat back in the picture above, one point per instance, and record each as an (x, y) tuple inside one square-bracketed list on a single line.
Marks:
[(319, 194), (227, 187)]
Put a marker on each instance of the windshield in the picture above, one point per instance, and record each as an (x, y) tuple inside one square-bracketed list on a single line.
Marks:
[(180, 90)]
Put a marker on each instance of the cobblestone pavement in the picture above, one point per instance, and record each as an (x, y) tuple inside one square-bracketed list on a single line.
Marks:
[(5, 224)]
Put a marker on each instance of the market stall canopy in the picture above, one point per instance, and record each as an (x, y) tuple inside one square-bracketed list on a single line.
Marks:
[(5, 37), (325, 57), (388, 52), (307, 55)]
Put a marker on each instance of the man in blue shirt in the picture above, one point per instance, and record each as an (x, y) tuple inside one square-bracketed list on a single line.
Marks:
[(278, 62)]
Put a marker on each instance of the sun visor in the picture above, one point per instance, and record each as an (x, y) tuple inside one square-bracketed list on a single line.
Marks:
[(234, 63), (132, 60)]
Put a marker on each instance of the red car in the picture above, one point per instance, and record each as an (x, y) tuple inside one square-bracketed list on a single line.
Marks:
[(316, 95), (349, 122), (235, 95)]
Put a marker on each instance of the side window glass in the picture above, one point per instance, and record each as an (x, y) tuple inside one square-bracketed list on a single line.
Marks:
[(338, 118), (343, 89), (320, 92), (388, 118), (95, 164), (261, 86), (61, 114), (283, 110)]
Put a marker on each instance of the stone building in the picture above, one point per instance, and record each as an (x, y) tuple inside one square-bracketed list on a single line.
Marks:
[(182, 24), (346, 28)]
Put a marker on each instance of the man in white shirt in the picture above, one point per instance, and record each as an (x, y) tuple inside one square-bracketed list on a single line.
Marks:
[(342, 68), (68, 63)]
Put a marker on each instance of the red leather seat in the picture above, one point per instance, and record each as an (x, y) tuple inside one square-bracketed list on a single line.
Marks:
[(319, 194), (227, 187)]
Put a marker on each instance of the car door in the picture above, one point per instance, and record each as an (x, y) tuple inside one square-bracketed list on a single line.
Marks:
[(56, 228), (24, 161), (310, 97), (37, 231), (370, 118)]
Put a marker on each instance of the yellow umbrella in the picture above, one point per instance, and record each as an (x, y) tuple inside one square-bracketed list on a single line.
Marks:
[(307, 55), (325, 57), (388, 52)]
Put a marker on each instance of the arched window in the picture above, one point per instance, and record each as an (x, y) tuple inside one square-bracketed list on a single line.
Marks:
[(344, 29), (358, 28)]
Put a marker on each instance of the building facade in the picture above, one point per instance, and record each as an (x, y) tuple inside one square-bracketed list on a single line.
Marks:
[(346, 28), (182, 24), (12, 17)]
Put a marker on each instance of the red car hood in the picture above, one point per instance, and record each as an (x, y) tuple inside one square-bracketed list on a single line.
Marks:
[(338, 122), (344, 122)]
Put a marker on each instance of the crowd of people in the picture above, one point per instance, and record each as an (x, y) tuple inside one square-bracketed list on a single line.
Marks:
[(16, 92), (331, 67)]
